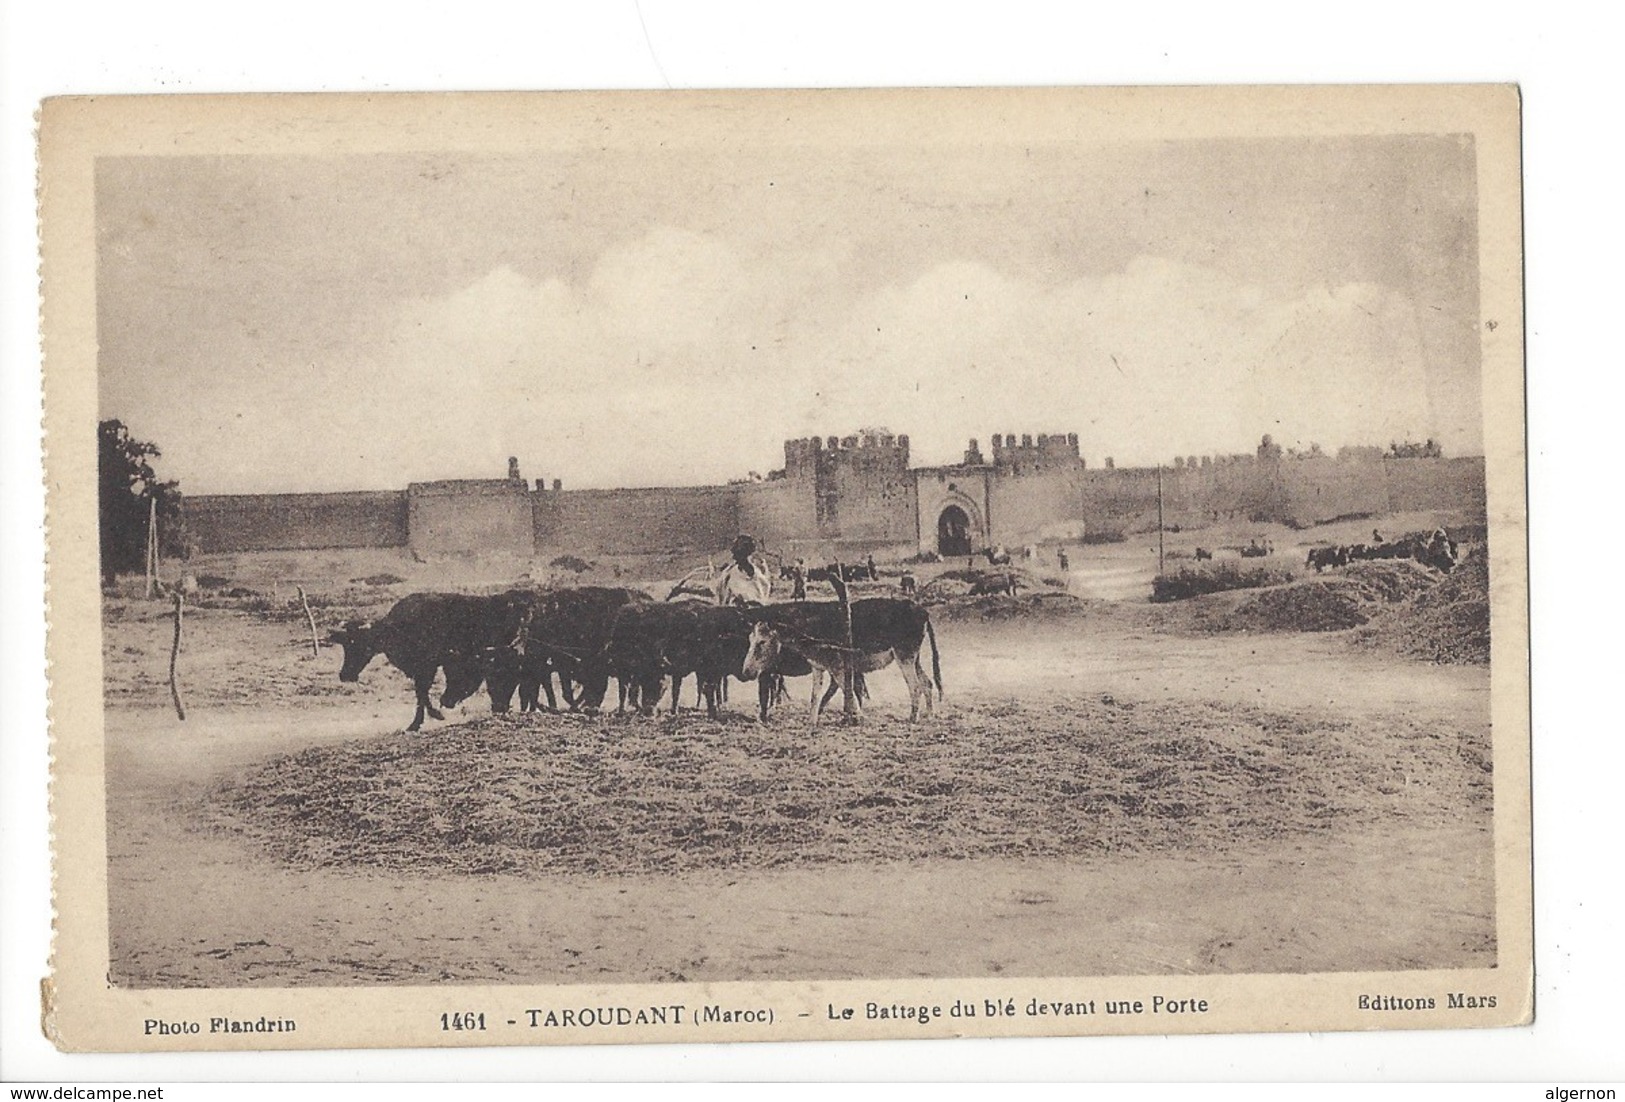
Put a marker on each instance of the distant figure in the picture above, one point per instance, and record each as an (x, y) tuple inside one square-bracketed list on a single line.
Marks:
[(1376, 536), (1010, 582), (872, 575), (745, 580), (798, 580), (970, 563), (907, 584), (1441, 551), (1060, 555), (743, 548)]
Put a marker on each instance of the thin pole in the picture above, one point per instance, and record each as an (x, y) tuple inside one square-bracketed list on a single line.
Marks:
[(152, 545), (1159, 518), (315, 645), (848, 681), (174, 653)]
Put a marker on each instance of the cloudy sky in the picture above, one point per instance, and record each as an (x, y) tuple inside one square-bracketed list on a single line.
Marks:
[(671, 316)]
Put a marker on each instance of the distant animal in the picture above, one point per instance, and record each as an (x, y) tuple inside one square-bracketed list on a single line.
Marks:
[(1203, 553), (907, 584), (994, 583), (426, 631), (882, 629), (850, 572), (1323, 558), (997, 556)]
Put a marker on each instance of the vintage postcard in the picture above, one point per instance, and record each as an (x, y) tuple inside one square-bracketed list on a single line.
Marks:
[(606, 568)]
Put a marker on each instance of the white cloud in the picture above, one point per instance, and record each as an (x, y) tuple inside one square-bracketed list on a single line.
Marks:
[(1161, 358), (681, 359)]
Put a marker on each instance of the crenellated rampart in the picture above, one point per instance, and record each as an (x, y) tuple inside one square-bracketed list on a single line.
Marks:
[(845, 492)]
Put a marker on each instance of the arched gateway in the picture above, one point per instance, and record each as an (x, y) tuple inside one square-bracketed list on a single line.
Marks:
[(953, 532)]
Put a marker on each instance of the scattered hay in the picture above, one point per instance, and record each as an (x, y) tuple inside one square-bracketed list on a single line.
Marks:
[(385, 578), (1190, 582), (1338, 601), (972, 582), (995, 607), (1391, 581), (1448, 622), (1305, 606), (566, 794)]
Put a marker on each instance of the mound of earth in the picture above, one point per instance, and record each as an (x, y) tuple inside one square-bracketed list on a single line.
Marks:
[(1449, 622), (1334, 605), (1023, 606), (1391, 580), (1072, 776), (1336, 601)]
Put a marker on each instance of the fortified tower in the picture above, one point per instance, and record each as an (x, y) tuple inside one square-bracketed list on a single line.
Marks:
[(1051, 451), (861, 486)]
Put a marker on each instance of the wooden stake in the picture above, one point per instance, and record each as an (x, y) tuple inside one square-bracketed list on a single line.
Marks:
[(315, 644), (848, 680), (152, 545), (1159, 518), (174, 653)]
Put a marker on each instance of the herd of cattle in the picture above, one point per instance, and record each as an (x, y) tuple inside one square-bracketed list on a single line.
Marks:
[(520, 640), (1437, 551)]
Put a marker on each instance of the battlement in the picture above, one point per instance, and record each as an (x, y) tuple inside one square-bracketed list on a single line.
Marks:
[(448, 487), (1048, 449), (870, 446)]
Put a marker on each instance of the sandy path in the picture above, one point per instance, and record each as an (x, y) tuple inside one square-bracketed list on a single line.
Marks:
[(222, 922)]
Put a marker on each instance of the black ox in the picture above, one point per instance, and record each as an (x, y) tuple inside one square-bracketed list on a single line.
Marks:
[(424, 632), (562, 631)]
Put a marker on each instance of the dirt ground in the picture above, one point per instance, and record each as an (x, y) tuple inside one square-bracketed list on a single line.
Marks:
[(1110, 789)]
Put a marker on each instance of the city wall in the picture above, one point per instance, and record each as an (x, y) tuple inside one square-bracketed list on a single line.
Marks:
[(780, 510), (1296, 490), (491, 516), (296, 522), (1036, 492), (632, 522), (842, 496)]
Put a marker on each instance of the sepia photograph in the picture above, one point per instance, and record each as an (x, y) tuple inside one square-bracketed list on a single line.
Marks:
[(631, 567)]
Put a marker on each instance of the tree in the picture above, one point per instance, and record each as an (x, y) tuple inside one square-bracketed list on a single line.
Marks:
[(128, 487)]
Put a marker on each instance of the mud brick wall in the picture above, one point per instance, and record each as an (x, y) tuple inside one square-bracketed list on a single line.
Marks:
[(780, 512), (646, 521), (470, 517), (295, 522)]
